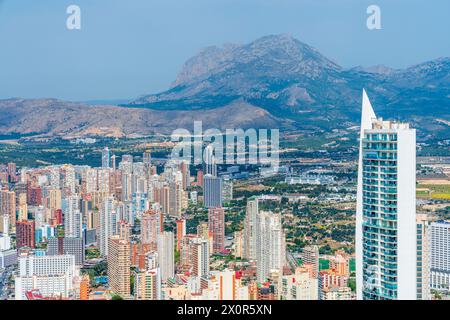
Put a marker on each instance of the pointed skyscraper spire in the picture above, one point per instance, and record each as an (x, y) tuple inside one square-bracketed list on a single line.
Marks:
[(367, 114)]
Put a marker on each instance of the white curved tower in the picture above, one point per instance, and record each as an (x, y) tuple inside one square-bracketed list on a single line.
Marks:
[(386, 246)]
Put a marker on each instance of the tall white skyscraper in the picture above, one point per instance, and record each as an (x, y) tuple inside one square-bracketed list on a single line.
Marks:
[(166, 255), (251, 229), (69, 179), (73, 220), (105, 158), (271, 247), (108, 223), (91, 180), (386, 242), (209, 161), (200, 248)]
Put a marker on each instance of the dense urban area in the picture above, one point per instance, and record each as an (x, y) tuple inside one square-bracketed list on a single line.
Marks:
[(101, 219)]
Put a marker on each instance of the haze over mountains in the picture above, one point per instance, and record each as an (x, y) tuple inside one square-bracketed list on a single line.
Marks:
[(275, 81)]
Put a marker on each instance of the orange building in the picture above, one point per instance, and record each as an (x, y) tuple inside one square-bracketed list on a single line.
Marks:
[(340, 262), (181, 231), (84, 288), (138, 254)]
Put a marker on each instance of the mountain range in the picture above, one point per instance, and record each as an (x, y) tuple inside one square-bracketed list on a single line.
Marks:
[(274, 81)]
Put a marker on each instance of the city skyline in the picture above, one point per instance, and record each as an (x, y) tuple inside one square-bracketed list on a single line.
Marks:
[(165, 231), (224, 157)]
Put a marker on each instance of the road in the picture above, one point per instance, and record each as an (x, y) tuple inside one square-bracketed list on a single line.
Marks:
[(4, 279)]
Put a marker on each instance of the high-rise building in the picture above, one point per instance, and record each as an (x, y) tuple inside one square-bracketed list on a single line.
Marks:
[(186, 174), (224, 285), (53, 276), (271, 246), (54, 177), (4, 224), (69, 180), (84, 287), (54, 200), (440, 255), (238, 244), (12, 172), (108, 223), (200, 257), (73, 219), (151, 226), (212, 191), (8, 205), (25, 234), (251, 229), (166, 257), (119, 266), (330, 282), (386, 241), (22, 207), (227, 189), (147, 285), (216, 227), (103, 183), (147, 158), (200, 178), (209, 161), (90, 180), (181, 231), (298, 286), (340, 262), (105, 158), (310, 256), (65, 245), (423, 257), (113, 162), (175, 199)]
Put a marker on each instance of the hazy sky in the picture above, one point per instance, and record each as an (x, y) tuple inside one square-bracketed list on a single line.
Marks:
[(127, 48)]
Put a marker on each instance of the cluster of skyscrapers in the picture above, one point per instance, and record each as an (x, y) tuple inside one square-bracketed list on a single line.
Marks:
[(135, 217)]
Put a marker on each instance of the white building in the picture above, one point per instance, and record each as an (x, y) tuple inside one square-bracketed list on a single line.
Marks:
[(440, 255), (200, 257), (251, 229), (73, 220), (53, 276), (105, 158), (108, 223), (298, 286), (270, 247), (223, 285), (386, 209), (166, 255)]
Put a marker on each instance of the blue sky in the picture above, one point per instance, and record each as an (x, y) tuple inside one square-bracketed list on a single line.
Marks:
[(127, 48)]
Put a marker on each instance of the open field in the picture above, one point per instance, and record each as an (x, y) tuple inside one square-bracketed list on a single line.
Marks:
[(433, 191)]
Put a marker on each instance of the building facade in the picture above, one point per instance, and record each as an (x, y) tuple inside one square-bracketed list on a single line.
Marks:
[(386, 209)]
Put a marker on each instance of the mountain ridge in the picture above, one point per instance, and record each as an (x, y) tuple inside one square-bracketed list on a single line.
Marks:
[(275, 81)]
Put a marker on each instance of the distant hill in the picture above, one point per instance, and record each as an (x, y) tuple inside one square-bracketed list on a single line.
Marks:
[(292, 80), (274, 81), (56, 118)]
